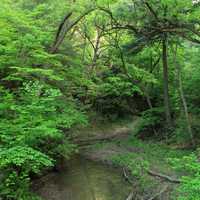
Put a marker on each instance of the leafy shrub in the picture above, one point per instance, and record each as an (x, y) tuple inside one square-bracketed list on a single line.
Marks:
[(114, 94), (137, 166), (189, 188), (17, 163), (150, 120), (31, 135)]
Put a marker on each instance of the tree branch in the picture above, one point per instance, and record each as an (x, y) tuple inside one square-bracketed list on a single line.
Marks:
[(151, 10), (64, 28), (189, 38), (61, 26)]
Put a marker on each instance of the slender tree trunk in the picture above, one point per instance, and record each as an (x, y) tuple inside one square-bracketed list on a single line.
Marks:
[(185, 107), (96, 48), (148, 101), (183, 99), (165, 81)]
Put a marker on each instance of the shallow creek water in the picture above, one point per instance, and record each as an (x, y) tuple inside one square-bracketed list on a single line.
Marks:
[(82, 179)]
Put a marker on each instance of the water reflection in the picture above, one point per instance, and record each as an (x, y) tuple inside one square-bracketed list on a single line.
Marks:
[(84, 180)]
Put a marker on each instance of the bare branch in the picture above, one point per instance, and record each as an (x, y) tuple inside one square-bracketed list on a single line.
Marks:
[(151, 10), (189, 38), (61, 25), (64, 28)]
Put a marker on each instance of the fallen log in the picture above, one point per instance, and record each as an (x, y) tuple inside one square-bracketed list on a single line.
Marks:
[(153, 173), (163, 176), (133, 193)]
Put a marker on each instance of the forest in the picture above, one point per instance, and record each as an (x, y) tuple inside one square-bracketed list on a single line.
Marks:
[(113, 81)]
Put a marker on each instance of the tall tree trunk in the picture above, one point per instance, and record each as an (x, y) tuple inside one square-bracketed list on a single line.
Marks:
[(183, 99), (96, 48), (165, 81)]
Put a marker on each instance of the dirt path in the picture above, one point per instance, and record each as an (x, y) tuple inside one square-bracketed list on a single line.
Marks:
[(118, 133)]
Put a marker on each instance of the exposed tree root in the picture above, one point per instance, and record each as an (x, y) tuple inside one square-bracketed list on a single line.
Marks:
[(164, 189), (130, 196), (127, 178)]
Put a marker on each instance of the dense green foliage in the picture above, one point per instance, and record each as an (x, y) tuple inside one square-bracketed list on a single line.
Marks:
[(190, 188), (31, 134), (35, 115), (64, 62)]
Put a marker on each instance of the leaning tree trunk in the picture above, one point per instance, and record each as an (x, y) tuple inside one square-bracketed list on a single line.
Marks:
[(183, 99), (165, 81)]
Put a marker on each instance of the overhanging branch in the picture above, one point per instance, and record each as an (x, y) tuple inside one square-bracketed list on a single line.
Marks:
[(65, 27)]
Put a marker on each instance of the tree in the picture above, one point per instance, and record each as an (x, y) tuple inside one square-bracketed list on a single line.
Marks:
[(159, 21)]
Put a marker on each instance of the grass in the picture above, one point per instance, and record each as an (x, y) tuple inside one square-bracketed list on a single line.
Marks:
[(156, 154), (138, 156)]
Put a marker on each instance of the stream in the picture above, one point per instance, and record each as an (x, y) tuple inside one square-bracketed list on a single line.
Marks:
[(82, 179)]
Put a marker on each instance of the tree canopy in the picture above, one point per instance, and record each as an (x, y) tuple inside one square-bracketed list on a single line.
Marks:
[(65, 63)]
